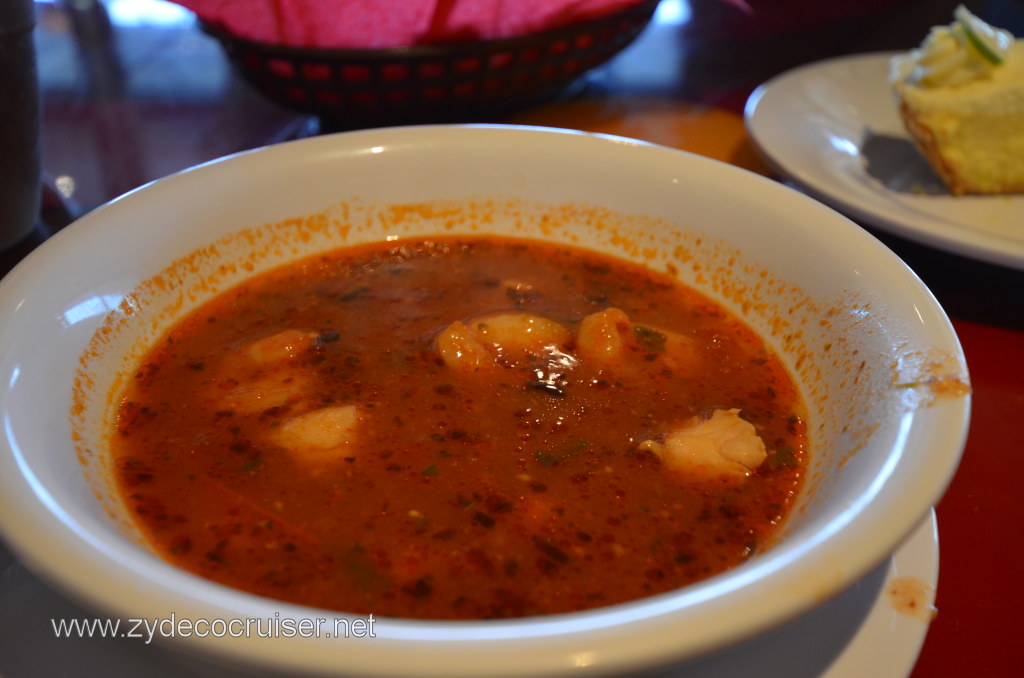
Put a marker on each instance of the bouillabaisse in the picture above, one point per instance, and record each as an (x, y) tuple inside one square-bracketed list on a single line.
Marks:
[(471, 427)]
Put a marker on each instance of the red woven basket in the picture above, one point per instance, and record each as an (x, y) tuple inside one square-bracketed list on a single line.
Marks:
[(456, 82)]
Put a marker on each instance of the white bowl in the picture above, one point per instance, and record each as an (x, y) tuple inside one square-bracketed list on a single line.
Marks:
[(881, 369)]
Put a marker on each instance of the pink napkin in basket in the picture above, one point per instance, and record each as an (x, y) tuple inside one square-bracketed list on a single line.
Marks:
[(368, 24), (487, 19)]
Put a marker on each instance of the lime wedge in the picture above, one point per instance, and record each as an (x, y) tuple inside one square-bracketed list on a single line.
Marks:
[(989, 42)]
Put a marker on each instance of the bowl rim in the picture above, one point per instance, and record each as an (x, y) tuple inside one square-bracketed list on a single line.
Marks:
[(466, 646)]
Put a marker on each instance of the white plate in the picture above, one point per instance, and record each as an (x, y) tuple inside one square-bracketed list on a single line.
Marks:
[(832, 128), (858, 634)]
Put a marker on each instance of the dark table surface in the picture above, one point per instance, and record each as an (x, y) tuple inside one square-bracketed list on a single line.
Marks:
[(133, 90)]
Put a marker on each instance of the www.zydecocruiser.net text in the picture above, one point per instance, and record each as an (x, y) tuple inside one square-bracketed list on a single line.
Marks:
[(182, 627)]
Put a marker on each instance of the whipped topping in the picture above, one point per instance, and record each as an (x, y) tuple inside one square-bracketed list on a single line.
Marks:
[(948, 56)]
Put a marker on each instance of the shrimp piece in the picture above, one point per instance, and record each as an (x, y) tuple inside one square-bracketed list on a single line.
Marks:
[(722, 445), (262, 393), (600, 338), (260, 377), (284, 345), (513, 334), (321, 435), (275, 383), (504, 335), (608, 338), (460, 348)]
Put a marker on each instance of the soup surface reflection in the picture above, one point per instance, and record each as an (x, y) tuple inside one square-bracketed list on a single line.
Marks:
[(459, 428)]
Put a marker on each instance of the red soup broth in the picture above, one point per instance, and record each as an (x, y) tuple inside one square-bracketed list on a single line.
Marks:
[(459, 428)]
